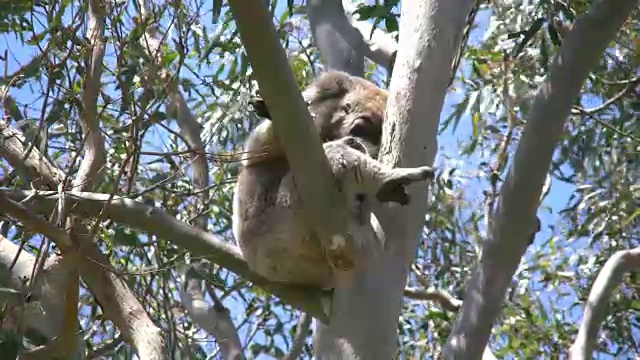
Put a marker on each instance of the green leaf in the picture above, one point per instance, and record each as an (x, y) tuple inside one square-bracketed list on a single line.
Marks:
[(630, 218), (169, 56), (391, 22), (124, 236), (528, 35), (475, 118), (553, 35), (37, 38), (290, 6)]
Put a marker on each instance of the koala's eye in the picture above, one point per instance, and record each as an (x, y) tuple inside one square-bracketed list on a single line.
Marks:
[(346, 108), (362, 127), (358, 130)]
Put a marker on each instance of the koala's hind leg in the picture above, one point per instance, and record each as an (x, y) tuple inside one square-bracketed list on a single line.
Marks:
[(360, 176)]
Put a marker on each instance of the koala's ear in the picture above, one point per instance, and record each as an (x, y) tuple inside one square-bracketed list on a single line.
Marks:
[(330, 85)]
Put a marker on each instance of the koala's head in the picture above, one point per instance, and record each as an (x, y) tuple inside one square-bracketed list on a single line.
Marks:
[(345, 105)]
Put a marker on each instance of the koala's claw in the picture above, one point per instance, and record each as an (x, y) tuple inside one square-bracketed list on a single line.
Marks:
[(393, 188), (260, 107)]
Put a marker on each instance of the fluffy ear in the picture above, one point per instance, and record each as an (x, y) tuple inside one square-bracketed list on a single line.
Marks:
[(330, 85)]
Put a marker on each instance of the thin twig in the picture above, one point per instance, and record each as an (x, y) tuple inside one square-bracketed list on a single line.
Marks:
[(445, 300), (299, 338)]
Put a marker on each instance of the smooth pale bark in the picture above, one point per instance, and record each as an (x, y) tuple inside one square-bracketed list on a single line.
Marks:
[(214, 319), (364, 316), (332, 31), (376, 44), (514, 218), (595, 309)]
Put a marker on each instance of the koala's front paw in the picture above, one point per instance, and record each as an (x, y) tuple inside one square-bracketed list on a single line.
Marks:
[(260, 107), (393, 186)]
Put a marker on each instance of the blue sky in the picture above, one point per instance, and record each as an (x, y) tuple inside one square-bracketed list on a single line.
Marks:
[(448, 142)]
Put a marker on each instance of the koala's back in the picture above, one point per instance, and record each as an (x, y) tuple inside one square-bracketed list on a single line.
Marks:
[(270, 230)]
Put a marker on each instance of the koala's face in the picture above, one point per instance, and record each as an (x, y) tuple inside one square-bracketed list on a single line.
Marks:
[(343, 105), (360, 114)]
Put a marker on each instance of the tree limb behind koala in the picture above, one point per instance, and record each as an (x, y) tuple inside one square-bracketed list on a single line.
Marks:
[(293, 126), (158, 222)]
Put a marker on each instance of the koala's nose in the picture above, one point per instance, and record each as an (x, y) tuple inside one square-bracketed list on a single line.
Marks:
[(360, 197)]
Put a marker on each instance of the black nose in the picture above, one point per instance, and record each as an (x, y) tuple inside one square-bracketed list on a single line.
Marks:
[(360, 197)]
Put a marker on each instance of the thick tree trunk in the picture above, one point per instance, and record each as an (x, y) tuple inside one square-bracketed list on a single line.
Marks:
[(364, 316)]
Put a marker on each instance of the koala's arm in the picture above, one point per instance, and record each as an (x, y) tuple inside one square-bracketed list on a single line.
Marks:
[(269, 221), (351, 164), (262, 146)]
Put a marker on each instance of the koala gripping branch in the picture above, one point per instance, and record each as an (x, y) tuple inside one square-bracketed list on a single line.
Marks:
[(294, 129)]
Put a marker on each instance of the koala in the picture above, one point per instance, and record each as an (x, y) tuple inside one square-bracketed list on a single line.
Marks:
[(268, 220)]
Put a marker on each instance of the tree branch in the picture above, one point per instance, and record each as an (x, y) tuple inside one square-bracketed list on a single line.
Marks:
[(608, 279), (214, 319), (445, 300), (519, 197), (158, 222), (299, 338), (631, 84), (379, 46), (112, 293), (339, 42), (35, 168), (36, 223), (430, 32), (177, 105), (92, 166), (30, 164), (294, 128), (47, 292)]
